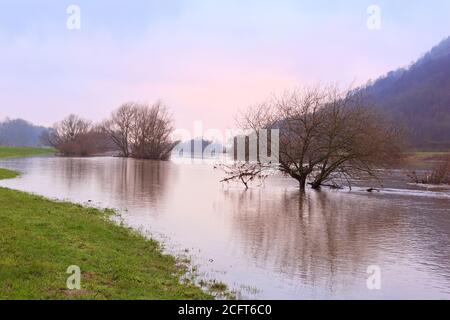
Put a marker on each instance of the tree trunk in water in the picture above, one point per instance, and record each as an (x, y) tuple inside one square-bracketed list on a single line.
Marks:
[(316, 185), (302, 182)]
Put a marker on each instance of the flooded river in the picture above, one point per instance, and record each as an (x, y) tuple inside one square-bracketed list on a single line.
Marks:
[(269, 241)]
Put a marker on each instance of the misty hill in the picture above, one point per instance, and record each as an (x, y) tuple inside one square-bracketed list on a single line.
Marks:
[(419, 98), (20, 133)]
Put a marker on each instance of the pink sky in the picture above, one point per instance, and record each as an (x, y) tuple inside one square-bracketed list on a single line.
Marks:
[(204, 60)]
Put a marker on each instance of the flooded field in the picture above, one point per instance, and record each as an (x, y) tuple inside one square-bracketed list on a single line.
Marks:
[(269, 241)]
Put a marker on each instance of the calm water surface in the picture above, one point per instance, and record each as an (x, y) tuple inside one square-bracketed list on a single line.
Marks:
[(267, 242)]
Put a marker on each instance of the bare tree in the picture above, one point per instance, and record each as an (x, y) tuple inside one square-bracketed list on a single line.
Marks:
[(70, 136), (328, 135), (68, 130), (120, 126), (299, 117), (354, 141), (141, 131), (150, 137), (75, 136)]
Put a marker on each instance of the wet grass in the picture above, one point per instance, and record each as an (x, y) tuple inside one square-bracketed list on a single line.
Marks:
[(425, 160), (17, 152), (218, 289), (428, 156), (7, 174), (40, 239)]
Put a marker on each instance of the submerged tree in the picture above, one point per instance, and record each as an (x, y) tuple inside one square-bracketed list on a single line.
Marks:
[(120, 125), (75, 136), (439, 174), (246, 172), (141, 131), (69, 129), (327, 135)]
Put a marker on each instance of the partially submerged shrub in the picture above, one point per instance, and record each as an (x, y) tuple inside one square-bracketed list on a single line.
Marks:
[(439, 174), (75, 136)]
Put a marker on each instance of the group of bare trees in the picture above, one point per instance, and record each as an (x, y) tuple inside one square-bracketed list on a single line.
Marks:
[(326, 136), (134, 130), (141, 131), (75, 136)]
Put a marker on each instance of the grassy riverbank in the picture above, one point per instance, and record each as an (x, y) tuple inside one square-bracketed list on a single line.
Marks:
[(7, 174), (17, 152), (40, 239), (425, 160)]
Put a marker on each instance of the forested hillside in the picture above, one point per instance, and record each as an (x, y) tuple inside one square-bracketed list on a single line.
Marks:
[(419, 98)]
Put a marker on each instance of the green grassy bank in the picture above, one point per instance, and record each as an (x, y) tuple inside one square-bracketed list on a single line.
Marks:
[(17, 152), (40, 239), (7, 174), (425, 160)]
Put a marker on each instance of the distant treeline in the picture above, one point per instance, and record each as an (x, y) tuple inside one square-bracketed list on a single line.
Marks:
[(20, 133)]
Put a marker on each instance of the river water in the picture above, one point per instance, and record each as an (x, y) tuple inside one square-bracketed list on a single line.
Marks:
[(269, 241)]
